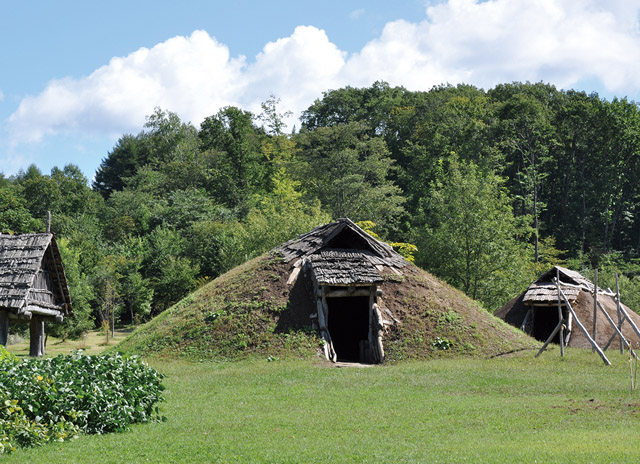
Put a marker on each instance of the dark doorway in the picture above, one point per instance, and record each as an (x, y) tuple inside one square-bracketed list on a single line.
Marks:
[(545, 319), (348, 325)]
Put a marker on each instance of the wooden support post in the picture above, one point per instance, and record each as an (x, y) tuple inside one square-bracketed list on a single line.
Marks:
[(523, 326), (333, 356), (584, 330), (4, 328), (619, 312), (595, 306), (378, 347), (36, 337), (373, 330), (560, 316)]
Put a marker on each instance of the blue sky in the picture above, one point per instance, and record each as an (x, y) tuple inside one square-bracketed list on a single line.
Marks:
[(76, 75)]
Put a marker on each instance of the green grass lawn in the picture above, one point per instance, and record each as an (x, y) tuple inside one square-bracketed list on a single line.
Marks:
[(516, 409)]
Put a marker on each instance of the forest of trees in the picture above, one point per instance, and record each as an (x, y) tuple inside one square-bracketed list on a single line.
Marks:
[(493, 187)]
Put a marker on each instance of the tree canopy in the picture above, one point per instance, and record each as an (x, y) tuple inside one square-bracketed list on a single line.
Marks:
[(492, 186)]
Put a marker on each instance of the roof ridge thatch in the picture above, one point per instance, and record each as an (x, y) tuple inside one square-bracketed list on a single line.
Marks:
[(317, 239)]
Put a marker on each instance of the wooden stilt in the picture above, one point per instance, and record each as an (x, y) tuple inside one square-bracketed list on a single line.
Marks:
[(36, 337), (4, 328)]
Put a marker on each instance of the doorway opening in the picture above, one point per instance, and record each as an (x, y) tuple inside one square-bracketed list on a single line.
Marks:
[(545, 319), (349, 327)]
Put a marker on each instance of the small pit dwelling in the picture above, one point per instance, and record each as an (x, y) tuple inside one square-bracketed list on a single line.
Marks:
[(334, 292), (536, 311)]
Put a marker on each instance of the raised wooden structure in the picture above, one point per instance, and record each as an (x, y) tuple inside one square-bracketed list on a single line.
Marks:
[(33, 285), (345, 265)]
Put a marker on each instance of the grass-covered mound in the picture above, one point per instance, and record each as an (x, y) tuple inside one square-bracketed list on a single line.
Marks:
[(251, 310)]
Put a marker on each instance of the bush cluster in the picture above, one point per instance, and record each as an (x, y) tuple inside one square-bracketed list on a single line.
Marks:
[(57, 398)]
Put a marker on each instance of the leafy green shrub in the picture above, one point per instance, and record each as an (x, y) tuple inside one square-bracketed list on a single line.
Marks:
[(91, 394), (6, 355), (17, 429)]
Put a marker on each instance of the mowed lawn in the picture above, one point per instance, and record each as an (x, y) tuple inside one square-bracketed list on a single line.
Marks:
[(515, 409)]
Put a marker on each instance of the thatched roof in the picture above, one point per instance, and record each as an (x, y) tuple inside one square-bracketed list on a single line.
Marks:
[(543, 292), (340, 235), (344, 267), (22, 257)]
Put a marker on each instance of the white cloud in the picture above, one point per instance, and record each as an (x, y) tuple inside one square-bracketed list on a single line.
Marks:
[(1, 95), (485, 43), (193, 76), (297, 69), (477, 42)]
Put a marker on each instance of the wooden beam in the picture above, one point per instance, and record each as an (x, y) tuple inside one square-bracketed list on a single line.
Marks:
[(294, 276), (39, 311), (358, 291)]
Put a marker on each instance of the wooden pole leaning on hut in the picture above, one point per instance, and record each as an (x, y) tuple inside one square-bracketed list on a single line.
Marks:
[(560, 325), (595, 306), (619, 312), (624, 317), (560, 316), (617, 332), (584, 330)]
